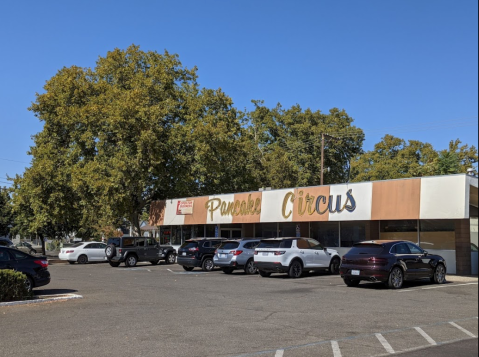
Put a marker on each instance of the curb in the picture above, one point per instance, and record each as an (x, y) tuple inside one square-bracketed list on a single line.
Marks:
[(42, 299)]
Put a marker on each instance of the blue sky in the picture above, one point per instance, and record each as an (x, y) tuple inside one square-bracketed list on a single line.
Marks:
[(403, 67)]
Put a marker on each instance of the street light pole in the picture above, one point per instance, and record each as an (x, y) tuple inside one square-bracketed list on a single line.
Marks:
[(322, 153)]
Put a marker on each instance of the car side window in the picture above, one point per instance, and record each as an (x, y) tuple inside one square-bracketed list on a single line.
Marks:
[(401, 248), (89, 246), (216, 243), (129, 242), (19, 255), (315, 244), (4, 256), (207, 244), (303, 244), (151, 242), (415, 249), (140, 242)]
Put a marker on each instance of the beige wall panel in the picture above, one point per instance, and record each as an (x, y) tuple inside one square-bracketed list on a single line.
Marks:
[(199, 211), (171, 218), (398, 199), (304, 206), (248, 207), (444, 197)]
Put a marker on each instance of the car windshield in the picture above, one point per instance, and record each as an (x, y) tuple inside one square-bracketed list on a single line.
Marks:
[(229, 245), (369, 249), (188, 245), (287, 243)]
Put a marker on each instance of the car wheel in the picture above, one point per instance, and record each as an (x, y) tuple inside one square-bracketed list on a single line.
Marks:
[(171, 259), (187, 268), (114, 264), (334, 266), (439, 276), (351, 283), (208, 264), (82, 259), (264, 274), (250, 268), (396, 278), (131, 260), (71, 262), (295, 270), (29, 284), (228, 270)]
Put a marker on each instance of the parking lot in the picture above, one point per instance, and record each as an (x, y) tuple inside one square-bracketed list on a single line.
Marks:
[(164, 311)]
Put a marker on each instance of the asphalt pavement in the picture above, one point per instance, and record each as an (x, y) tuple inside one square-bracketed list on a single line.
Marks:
[(164, 311)]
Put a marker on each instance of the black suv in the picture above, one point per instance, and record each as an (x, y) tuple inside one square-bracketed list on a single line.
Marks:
[(132, 250), (195, 253)]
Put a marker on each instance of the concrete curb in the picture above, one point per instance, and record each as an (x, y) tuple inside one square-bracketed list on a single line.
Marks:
[(42, 299)]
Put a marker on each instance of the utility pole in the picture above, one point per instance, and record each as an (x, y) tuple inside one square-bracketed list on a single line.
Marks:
[(322, 153)]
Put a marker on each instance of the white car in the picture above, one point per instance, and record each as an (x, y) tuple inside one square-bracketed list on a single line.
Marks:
[(294, 256), (84, 252)]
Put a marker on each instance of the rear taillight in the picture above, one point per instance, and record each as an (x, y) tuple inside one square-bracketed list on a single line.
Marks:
[(43, 263), (69, 251), (236, 252), (194, 249), (377, 261), (282, 252)]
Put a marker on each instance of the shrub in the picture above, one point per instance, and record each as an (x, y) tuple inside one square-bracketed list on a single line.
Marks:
[(12, 286)]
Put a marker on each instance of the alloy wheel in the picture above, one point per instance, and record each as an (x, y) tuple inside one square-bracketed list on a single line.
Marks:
[(440, 274), (396, 278)]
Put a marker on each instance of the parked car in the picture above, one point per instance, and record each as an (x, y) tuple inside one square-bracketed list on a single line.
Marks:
[(83, 253), (391, 262), (28, 248), (5, 242), (34, 267), (237, 254), (131, 250), (294, 256), (196, 253)]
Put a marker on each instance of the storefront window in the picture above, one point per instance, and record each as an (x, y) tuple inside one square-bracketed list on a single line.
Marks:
[(287, 229), (210, 230), (327, 233), (352, 232), (437, 234), (266, 230), (402, 230)]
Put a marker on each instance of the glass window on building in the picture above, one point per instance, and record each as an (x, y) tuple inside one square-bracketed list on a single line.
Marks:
[(287, 229), (194, 231), (401, 230), (210, 230), (352, 232), (266, 230), (437, 234), (326, 233), (176, 235)]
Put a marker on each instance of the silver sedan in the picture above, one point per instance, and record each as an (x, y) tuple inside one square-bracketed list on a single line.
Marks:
[(83, 253)]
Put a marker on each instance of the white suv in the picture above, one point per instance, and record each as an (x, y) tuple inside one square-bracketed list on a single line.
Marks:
[(294, 256)]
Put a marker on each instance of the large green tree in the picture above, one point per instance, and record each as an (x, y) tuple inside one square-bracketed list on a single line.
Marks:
[(6, 211), (286, 150), (137, 127), (394, 158)]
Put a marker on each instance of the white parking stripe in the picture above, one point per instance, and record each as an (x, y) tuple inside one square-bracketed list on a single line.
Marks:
[(336, 350), (385, 343), (434, 287), (279, 353), (426, 336), (462, 329)]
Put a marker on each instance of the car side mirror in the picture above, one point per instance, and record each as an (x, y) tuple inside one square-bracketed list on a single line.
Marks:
[(325, 249), (425, 253)]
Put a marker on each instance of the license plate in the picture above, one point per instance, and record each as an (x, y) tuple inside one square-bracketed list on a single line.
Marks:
[(354, 272), (265, 254), (184, 254), (223, 255)]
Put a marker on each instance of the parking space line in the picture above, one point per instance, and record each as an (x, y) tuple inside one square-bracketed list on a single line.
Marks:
[(385, 343), (463, 329), (279, 353), (434, 287), (426, 336), (336, 350)]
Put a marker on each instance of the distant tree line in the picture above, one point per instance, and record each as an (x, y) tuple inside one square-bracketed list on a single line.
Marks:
[(138, 128)]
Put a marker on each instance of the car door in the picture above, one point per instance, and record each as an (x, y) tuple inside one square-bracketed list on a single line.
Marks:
[(403, 254), (306, 253), (152, 250), (422, 266), (6, 260), (89, 251), (321, 257)]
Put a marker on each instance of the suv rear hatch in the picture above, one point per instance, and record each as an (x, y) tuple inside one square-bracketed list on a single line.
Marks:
[(227, 250), (188, 249), (270, 250), (365, 254)]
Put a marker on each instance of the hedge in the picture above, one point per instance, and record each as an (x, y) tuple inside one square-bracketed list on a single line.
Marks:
[(12, 286)]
